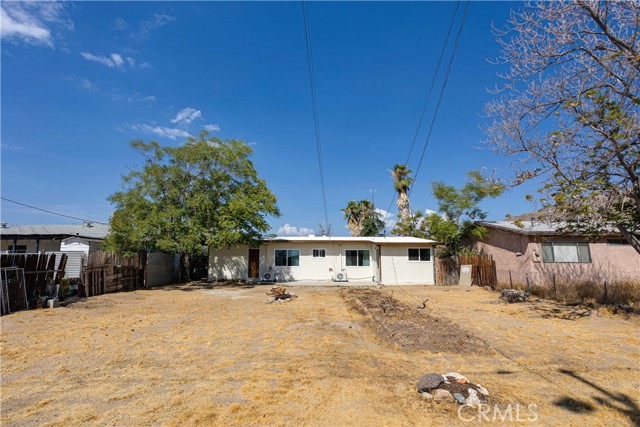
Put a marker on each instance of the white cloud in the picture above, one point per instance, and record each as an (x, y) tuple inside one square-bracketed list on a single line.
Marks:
[(146, 27), (290, 230), (119, 24), (162, 131), (87, 85), (28, 31), (212, 128), (28, 21), (388, 218), (10, 147), (186, 115), (115, 60)]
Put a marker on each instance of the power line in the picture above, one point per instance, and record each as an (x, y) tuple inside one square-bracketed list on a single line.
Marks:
[(431, 85), (307, 34), (442, 88), (433, 81), (50, 212)]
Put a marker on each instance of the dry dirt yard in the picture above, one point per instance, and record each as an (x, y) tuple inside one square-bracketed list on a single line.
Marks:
[(208, 355)]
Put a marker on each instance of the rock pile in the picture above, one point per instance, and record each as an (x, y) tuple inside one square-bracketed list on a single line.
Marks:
[(514, 295), (452, 387)]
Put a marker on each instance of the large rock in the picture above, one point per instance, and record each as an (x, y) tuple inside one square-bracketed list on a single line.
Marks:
[(482, 390), (440, 395), (459, 378), (473, 399), (459, 398), (514, 295), (429, 382)]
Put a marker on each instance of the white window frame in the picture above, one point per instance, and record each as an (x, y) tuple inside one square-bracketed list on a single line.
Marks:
[(419, 256), (553, 254), (357, 257), (287, 250), (320, 251)]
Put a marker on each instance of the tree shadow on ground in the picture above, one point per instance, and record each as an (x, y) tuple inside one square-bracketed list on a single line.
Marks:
[(552, 309), (617, 401), (203, 285)]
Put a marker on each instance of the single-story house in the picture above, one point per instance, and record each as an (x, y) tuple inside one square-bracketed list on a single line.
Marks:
[(538, 250), (76, 240), (386, 260)]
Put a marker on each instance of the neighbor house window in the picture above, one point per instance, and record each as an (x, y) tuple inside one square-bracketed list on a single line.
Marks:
[(357, 258), (566, 252), (617, 242), (287, 257), (319, 253), (419, 254)]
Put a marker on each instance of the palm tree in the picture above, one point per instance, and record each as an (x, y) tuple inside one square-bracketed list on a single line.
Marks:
[(402, 181), (353, 213)]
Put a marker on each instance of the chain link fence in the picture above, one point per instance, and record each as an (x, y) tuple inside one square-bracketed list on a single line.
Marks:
[(620, 287)]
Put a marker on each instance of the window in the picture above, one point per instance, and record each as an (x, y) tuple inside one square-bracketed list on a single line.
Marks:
[(357, 258), (319, 253), (20, 249), (566, 252), (419, 254), (616, 242), (287, 257)]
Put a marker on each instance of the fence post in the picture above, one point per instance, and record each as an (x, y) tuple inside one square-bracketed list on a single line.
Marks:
[(528, 285), (606, 297), (510, 280), (555, 291)]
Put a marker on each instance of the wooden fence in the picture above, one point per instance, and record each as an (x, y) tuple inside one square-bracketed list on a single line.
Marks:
[(108, 272), (37, 270), (483, 270)]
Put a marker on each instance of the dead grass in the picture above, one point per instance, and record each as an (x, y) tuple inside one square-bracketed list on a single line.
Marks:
[(202, 356)]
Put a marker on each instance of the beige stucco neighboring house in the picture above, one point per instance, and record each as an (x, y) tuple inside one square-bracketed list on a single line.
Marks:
[(386, 260), (538, 250)]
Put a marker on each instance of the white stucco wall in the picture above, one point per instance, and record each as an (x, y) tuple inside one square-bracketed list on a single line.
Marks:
[(233, 263), (311, 268), (229, 263), (397, 269)]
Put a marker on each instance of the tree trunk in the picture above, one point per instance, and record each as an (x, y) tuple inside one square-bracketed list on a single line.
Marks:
[(403, 205), (185, 267), (630, 237)]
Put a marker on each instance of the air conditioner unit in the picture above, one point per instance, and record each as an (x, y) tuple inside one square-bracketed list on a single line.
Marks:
[(340, 276), (269, 277)]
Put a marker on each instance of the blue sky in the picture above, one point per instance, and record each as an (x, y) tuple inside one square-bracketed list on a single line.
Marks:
[(80, 80)]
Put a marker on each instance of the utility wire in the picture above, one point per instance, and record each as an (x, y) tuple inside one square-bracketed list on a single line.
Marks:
[(433, 81), (428, 98), (314, 102), (442, 88), (50, 212)]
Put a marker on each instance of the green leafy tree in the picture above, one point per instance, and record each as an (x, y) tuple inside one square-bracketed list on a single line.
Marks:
[(372, 224), (458, 209), (205, 192), (568, 112)]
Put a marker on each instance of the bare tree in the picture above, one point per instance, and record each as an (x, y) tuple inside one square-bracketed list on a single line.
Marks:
[(568, 110)]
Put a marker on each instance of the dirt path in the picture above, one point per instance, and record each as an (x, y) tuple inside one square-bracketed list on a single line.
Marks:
[(222, 357)]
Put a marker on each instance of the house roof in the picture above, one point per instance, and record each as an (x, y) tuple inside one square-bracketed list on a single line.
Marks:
[(532, 227), (55, 231), (377, 240)]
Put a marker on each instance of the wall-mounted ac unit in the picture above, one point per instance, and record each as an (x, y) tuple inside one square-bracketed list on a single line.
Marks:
[(340, 276), (269, 277)]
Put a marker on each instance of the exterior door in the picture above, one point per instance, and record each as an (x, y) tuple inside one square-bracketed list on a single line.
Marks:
[(254, 263)]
